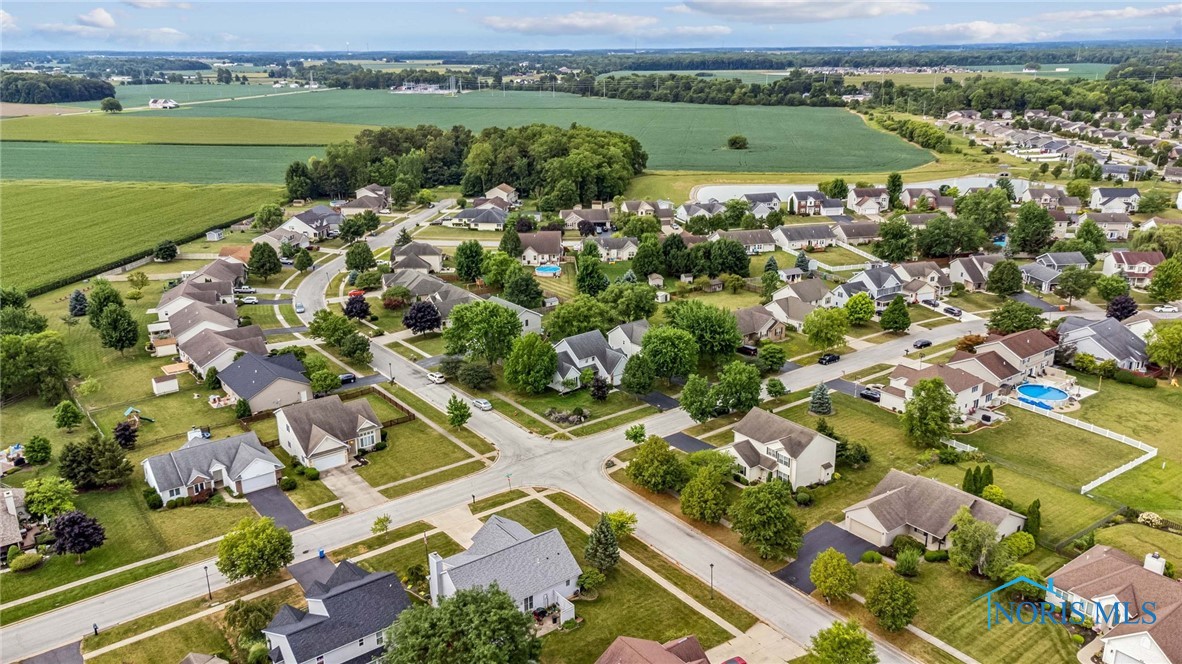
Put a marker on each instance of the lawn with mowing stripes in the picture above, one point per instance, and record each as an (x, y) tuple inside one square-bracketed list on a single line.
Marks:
[(111, 221), (431, 480), (415, 448), (378, 541), (424, 409)]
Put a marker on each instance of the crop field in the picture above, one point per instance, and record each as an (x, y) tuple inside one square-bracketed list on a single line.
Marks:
[(1074, 69), (138, 128), (132, 96), (676, 136), (55, 229), (198, 164), (744, 75)]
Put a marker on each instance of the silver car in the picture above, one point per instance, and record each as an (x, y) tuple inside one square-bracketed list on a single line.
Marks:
[(482, 404)]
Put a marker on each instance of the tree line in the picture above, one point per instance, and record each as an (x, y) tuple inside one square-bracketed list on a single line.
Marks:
[(46, 89)]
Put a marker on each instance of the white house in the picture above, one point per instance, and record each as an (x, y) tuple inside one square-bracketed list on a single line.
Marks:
[(687, 211), (317, 223), (414, 255), (345, 621), (758, 241), (973, 271), (857, 232), (216, 349), (531, 321), (1008, 360), (503, 191), (868, 200), (541, 248), (1104, 339), (537, 571), (762, 204), (1114, 199), (881, 283), (768, 447), (325, 432), (801, 236), (589, 350), (600, 218), (612, 249), (971, 392), (923, 508), (627, 337), (927, 271), (193, 292), (1136, 266), (239, 463), (811, 291), (195, 318), (481, 219)]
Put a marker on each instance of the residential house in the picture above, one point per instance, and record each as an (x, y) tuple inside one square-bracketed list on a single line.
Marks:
[(810, 203), (1114, 199), (215, 349), (629, 650), (923, 508), (973, 271), (1106, 583), (627, 337), (689, 239), (1141, 324), (237, 254), (802, 236), (762, 204), (868, 200), (194, 294), (1116, 225), (531, 321), (13, 516), (281, 236), (918, 290), (1172, 174), (324, 433), (266, 382), (589, 350), (971, 392), (811, 291), (920, 219), (202, 466), (789, 310), (1008, 360), (600, 218), (927, 271), (767, 447), (1048, 199), (317, 223), (858, 232), (415, 255), (536, 570), (757, 323), (687, 211), (612, 249), (1104, 339), (1158, 222), (345, 622), (541, 248), (881, 283), (202, 658), (220, 271), (482, 203), (758, 241), (373, 191), (483, 219), (661, 210), (1059, 260), (1136, 266), (911, 196), (503, 191), (1041, 276), (372, 204)]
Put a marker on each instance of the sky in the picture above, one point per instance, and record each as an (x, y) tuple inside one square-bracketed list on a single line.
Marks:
[(329, 25)]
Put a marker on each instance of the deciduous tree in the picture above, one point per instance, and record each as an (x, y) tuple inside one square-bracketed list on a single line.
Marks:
[(1033, 229), (639, 375), (357, 307), (928, 414), (771, 357), (469, 261), (833, 575), (481, 329), (1014, 316), (254, 548), (892, 601), (859, 309), (715, 330), (656, 466), (531, 364), (1075, 282), (1111, 286), (671, 351), (704, 496), (1166, 284), (630, 301), (826, 328), (578, 315), (896, 241), (422, 317), (764, 520), (76, 532), (66, 415), (458, 412), (1005, 278), (523, 290), (842, 643), (49, 496), (1164, 345), (1121, 307), (446, 631), (264, 262), (697, 399), (737, 388), (324, 381)]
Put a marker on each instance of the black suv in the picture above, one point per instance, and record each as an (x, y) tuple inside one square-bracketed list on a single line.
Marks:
[(870, 394), (828, 358), (922, 343)]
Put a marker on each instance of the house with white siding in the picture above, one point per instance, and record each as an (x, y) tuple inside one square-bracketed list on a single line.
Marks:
[(324, 433), (768, 447), (1135, 266)]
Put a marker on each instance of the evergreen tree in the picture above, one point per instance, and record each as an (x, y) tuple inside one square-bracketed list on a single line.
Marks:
[(820, 403), (969, 482), (986, 477), (977, 485), (771, 265), (78, 304), (1033, 518), (895, 318), (802, 261), (511, 242), (603, 550), (404, 239)]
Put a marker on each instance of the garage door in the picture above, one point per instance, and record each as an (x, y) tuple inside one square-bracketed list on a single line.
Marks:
[(862, 530), (258, 482), (330, 460)]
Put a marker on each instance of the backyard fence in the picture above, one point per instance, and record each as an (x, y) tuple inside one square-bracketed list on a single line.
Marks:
[(1149, 450), (815, 264), (861, 252), (957, 445)]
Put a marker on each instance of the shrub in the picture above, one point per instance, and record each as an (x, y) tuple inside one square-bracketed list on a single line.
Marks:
[(1019, 543), (906, 543), (154, 501), (25, 562), (935, 556), (872, 557), (948, 455), (1150, 519), (1144, 381), (186, 501), (301, 470), (381, 445), (13, 552), (804, 498), (907, 563), (1124, 376), (171, 504), (1077, 639), (287, 484), (312, 474), (1171, 571)]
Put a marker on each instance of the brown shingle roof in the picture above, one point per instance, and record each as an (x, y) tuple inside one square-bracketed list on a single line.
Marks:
[(924, 503), (629, 650), (993, 363), (764, 427), (1027, 343), (311, 421), (955, 379)]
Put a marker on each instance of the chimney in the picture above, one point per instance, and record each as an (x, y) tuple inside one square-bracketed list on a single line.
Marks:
[(1155, 563), (10, 502)]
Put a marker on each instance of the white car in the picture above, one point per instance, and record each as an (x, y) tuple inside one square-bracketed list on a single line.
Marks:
[(1166, 309), (245, 289), (287, 261), (482, 404), (437, 378), (250, 300)]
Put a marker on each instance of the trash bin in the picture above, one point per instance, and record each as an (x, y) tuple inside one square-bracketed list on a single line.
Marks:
[(321, 553)]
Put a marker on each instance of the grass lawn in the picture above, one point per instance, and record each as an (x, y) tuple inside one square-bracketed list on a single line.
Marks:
[(715, 424), (1063, 454), (838, 256), (450, 233), (948, 612), (263, 315), (796, 344), (1138, 540), (203, 635), (307, 493), (629, 603), (869, 371), (326, 513), (496, 500), (401, 558), (729, 301), (976, 301), (614, 421), (920, 313), (378, 541), (407, 352), (430, 343), (617, 269), (866, 329), (440, 477), (938, 322), (784, 260), (539, 403), (424, 409), (415, 448), (174, 414), (883, 337), (562, 286)]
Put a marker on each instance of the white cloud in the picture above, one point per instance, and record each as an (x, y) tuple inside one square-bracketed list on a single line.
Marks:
[(575, 23), (7, 22), (803, 11), (969, 32), (1113, 14), (694, 31), (97, 18), (678, 9), (157, 4)]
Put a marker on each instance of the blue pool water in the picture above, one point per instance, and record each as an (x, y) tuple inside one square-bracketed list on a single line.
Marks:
[(548, 270), (1044, 393)]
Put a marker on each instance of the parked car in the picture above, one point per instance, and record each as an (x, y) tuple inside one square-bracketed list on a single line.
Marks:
[(922, 343), (931, 303), (828, 358), (870, 394), (437, 378), (299, 308), (356, 291), (1166, 309), (312, 247), (250, 299), (748, 350), (952, 311), (287, 261), (482, 404), (245, 289), (347, 378)]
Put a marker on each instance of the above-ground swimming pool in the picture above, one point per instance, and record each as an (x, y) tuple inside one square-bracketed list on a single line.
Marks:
[(548, 270), (1042, 393)]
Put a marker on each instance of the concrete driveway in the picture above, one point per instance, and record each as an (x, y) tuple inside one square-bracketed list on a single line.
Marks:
[(274, 503), (796, 573), (354, 492), (687, 443), (1033, 301)]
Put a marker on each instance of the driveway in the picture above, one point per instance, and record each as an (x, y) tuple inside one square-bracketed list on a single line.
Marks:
[(660, 400), (687, 443), (790, 366), (354, 492), (1033, 301), (311, 570), (362, 381), (843, 386), (68, 654), (796, 573), (274, 503)]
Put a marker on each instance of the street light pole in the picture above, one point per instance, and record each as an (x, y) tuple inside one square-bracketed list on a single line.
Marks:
[(208, 588), (711, 580)]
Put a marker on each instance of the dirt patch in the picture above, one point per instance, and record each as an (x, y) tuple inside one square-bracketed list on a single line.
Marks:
[(9, 110)]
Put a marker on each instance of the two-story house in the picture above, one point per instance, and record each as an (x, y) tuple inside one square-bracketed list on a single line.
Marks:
[(1115, 199), (1007, 361), (589, 350), (973, 271), (811, 203), (628, 337), (769, 447), (541, 248), (317, 223), (416, 256), (1136, 266), (881, 283), (762, 204), (927, 271), (324, 433), (868, 200), (970, 392), (531, 321), (1116, 225), (503, 191)]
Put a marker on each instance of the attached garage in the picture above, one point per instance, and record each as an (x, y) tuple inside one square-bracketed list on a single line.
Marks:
[(249, 484), (332, 459), (866, 531)]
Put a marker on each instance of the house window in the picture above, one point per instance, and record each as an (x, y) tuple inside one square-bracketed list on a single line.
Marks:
[(528, 603), (173, 493), (381, 638), (320, 659), (199, 487), (361, 641)]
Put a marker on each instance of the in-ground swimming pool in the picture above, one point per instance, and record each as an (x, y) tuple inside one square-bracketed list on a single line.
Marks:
[(548, 270), (1044, 393)]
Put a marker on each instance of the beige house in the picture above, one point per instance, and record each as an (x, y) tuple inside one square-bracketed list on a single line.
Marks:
[(1136, 266), (503, 191), (757, 323), (266, 382), (324, 433), (971, 392), (416, 255), (1009, 360), (768, 447), (973, 271), (216, 349), (541, 248)]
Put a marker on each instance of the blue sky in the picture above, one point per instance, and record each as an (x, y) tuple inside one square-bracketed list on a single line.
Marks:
[(203, 25)]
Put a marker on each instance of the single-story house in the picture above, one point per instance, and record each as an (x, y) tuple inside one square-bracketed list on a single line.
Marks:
[(687, 211), (240, 463), (374, 204), (583, 351), (373, 190), (758, 241), (1059, 260), (1040, 276), (1104, 339), (536, 570), (801, 236), (325, 432), (767, 447), (281, 236), (659, 209), (923, 508), (858, 232), (757, 323), (812, 291), (612, 249), (971, 392), (541, 248), (13, 516), (216, 348), (482, 219), (789, 310), (919, 220), (317, 223), (194, 318), (1141, 323), (627, 337), (1136, 266), (601, 218), (420, 252), (193, 292), (266, 382)]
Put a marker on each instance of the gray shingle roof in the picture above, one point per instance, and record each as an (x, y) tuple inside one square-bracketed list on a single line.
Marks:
[(750, 237), (311, 421), (320, 217), (1040, 273), (1063, 258), (635, 330), (252, 373), (542, 242), (358, 603), (767, 198), (594, 344), (416, 249), (859, 229), (206, 345), (1109, 333), (192, 315), (505, 553), (810, 290), (807, 232), (10, 524), (483, 215), (764, 427), (198, 291), (615, 243), (927, 504), (198, 457)]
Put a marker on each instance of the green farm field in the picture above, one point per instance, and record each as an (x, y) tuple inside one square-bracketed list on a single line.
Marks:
[(133, 96), (53, 229), (138, 128)]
